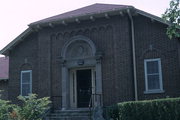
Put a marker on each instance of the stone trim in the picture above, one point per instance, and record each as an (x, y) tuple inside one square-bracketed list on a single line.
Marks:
[(74, 39), (71, 63)]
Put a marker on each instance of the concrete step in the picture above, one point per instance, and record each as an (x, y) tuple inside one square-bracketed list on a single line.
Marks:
[(68, 118), (69, 115)]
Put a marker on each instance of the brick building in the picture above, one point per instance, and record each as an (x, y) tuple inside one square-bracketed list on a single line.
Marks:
[(112, 52), (4, 76)]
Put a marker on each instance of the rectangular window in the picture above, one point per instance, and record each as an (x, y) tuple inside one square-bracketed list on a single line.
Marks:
[(26, 82), (153, 75)]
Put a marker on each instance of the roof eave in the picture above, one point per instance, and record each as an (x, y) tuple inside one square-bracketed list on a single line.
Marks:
[(152, 17), (5, 50)]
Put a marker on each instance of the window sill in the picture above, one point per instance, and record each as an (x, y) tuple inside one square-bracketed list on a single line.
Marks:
[(154, 91)]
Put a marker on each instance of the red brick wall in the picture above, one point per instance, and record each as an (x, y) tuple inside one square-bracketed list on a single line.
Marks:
[(4, 89), (153, 34), (112, 36)]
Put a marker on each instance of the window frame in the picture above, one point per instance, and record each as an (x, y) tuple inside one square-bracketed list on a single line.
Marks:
[(147, 90), (30, 82)]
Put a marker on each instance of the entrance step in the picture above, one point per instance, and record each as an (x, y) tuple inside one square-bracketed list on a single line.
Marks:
[(69, 115)]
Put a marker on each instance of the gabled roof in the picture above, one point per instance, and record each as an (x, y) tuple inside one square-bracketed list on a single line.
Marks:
[(4, 68), (89, 12)]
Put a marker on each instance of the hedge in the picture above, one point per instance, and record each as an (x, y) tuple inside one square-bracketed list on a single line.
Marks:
[(159, 109)]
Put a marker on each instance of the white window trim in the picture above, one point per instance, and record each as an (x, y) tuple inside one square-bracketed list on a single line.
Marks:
[(160, 90), (27, 71)]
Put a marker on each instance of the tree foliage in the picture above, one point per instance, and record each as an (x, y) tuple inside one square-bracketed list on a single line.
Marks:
[(172, 14)]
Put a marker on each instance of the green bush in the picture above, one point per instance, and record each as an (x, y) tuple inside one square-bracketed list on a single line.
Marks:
[(5, 107), (30, 109), (159, 109)]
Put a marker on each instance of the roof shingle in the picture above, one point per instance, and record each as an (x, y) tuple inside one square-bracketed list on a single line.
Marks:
[(91, 9)]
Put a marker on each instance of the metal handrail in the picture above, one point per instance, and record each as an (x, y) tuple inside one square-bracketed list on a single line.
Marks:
[(51, 107), (91, 103), (90, 109), (44, 115), (100, 96)]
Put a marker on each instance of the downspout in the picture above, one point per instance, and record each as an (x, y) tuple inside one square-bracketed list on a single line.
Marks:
[(134, 54)]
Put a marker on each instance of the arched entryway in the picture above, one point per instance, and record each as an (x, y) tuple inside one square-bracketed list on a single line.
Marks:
[(81, 73)]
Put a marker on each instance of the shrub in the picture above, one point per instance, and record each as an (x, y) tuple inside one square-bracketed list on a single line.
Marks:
[(31, 108), (160, 109), (5, 106)]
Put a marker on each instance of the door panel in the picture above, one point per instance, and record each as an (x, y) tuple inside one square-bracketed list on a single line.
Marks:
[(84, 90)]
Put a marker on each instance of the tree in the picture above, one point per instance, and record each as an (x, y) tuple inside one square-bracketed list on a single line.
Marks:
[(172, 14)]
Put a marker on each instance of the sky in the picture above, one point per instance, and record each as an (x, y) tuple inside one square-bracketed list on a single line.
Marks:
[(17, 14)]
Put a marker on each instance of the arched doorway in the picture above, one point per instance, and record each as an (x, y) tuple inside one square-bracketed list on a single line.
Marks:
[(81, 73)]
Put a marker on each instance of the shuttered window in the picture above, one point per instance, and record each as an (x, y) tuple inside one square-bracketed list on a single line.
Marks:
[(153, 75), (26, 82)]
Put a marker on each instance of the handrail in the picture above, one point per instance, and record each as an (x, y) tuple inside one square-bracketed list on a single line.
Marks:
[(90, 110), (90, 101), (93, 99), (100, 97), (43, 115), (51, 107)]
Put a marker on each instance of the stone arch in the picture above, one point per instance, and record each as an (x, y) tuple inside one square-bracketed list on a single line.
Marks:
[(93, 30), (79, 32), (152, 53), (87, 58), (81, 44), (66, 35), (102, 28), (86, 31), (59, 36), (72, 33), (26, 66)]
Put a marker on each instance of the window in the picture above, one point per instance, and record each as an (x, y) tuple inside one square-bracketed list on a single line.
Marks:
[(26, 82), (153, 75)]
